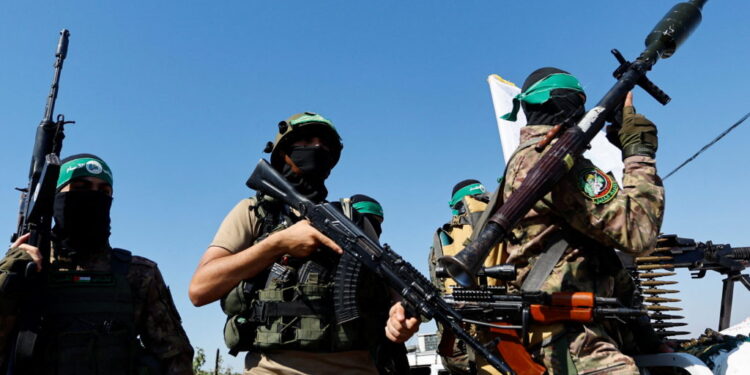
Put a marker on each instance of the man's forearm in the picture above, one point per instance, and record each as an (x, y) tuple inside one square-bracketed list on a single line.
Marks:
[(220, 271)]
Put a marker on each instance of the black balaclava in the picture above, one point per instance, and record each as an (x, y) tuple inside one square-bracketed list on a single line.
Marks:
[(315, 164), (374, 219), (563, 106), (82, 220)]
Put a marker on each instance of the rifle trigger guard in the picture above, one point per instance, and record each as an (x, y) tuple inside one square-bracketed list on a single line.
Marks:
[(525, 317)]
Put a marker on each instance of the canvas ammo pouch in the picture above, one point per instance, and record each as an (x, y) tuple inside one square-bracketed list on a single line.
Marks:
[(293, 310), (290, 306)]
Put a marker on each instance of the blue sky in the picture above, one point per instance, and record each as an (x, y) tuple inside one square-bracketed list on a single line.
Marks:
[(180, 98)]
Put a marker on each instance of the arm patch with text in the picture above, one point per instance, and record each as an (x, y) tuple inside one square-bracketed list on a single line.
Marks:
[(597, 185)]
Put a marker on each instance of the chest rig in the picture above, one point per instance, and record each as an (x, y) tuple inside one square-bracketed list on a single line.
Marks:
[(453, 236), (290, 305), (89, 321)]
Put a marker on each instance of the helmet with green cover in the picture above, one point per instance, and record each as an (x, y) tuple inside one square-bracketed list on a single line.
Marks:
[(303, 125)]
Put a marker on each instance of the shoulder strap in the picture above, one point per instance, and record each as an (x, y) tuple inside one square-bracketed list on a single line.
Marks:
[(121, 260), (544, 264), (437, 243), (267, 214)]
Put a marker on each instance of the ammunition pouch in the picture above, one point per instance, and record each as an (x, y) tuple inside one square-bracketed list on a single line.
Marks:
[(293, 324), (291, 306), (282, 316)]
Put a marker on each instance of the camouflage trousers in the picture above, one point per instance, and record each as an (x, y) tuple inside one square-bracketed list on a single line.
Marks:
[(583, 350)]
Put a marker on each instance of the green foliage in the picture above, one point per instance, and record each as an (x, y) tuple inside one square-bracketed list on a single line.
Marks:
[(200, 360)]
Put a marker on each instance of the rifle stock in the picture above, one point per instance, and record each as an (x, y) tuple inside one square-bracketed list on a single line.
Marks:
[(264, 178)]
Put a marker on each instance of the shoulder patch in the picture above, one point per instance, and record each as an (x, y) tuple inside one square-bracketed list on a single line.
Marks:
[(597, 185)]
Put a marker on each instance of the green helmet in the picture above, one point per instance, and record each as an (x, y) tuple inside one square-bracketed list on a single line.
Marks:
[(301, 125)]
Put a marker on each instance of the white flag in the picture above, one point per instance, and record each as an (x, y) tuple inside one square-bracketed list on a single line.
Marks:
[(602, 153)]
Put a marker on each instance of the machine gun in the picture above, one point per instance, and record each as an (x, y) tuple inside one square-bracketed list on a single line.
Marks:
[(698, 257), (420, 297), (35, 216), (508, 314), (662, 42)]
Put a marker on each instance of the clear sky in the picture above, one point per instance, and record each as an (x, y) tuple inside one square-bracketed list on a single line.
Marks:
[(180, 98)]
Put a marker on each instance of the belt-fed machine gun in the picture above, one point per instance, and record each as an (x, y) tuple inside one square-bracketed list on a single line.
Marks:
[(698, 257)]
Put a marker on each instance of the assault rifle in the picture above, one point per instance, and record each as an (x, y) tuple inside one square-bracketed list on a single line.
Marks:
[(662, 42), (35, 216), (699, 257), (420, 297), (507, 314)]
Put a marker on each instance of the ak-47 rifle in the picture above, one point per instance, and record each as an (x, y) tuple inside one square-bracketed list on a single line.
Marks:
[(420, 297), (507, 314), (662, 42), (35, 216), (677, 252)]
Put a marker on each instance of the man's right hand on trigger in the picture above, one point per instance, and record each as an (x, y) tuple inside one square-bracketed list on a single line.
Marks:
[(33, 251), (301, 240)]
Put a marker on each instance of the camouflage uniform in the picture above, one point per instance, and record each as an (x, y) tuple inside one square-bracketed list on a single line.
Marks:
[(584, 201), (157, 321)]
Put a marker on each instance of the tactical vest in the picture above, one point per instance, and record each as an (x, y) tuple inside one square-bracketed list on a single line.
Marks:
[(290, 305), (452, 237), (89, 321)]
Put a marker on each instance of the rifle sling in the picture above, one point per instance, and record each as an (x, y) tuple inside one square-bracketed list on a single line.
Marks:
[(545, 263)]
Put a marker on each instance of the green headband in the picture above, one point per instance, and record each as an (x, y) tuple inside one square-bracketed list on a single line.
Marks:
[(368, 208), (540, 92), (472, 189), (84, 167)]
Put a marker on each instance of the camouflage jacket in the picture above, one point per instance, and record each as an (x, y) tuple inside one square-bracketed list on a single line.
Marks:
[(157, 322), (594, 212)]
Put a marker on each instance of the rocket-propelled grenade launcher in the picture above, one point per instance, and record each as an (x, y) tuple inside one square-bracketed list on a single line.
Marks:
[(662, 42)]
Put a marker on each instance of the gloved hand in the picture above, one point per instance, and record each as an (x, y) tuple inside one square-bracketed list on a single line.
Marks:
[(636, 135)]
